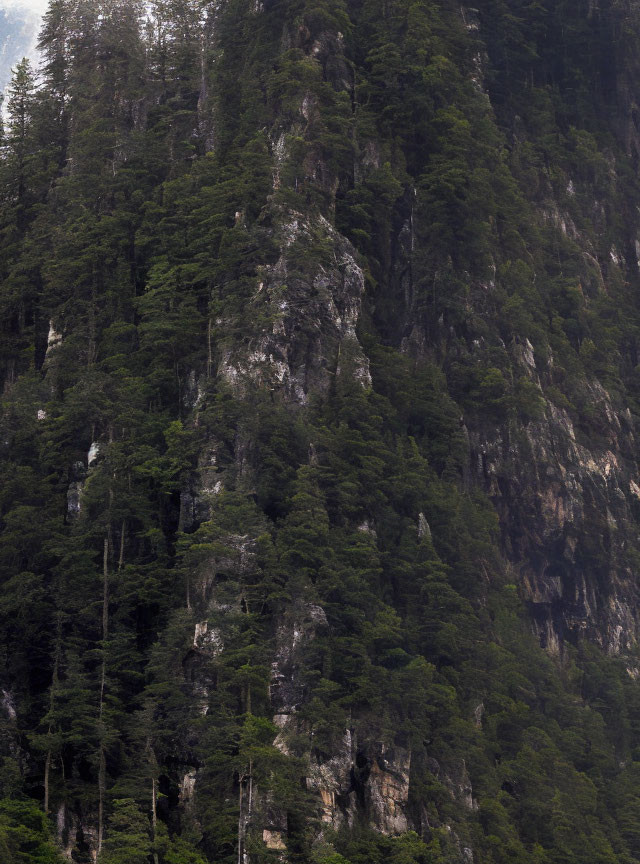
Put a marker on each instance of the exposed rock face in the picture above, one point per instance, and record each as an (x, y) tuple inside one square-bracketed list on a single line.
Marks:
[(456, 779), (304, 312), (368, 783), (566, 504), (361, 780), (388, 792), (8, 706), (566, 490), (331, 780), (300, 624), (310, 310)]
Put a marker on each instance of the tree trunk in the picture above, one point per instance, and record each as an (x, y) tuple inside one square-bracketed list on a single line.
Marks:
[(241, 826), (102, 770), (52, 697), (154, 818), (122, 538), (47, 767)]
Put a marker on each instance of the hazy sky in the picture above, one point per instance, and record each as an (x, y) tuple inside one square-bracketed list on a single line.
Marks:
[(35, 5), (18, 34)]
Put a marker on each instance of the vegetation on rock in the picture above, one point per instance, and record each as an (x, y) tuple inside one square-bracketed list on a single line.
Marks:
[(320, 376)]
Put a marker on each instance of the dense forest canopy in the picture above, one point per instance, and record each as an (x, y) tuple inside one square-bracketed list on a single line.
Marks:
[(320, 387)]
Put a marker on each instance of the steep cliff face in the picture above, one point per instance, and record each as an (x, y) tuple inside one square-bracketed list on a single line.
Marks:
[(568, 516), (551, 439), (310, 310)]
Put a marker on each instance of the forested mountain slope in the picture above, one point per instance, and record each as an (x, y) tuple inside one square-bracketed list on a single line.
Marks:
[(320, 492)]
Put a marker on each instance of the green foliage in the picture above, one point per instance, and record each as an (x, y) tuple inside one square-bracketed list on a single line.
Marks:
[(24, 835), (408, 849), (148, 185), (128, 841)]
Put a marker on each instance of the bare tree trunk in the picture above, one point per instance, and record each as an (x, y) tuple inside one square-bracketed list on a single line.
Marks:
[(241, 825), (154, 818), (153, 765), (52, 697), (122, 537), (47, 767), (91, 348), (105, 610), (102, 770)]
